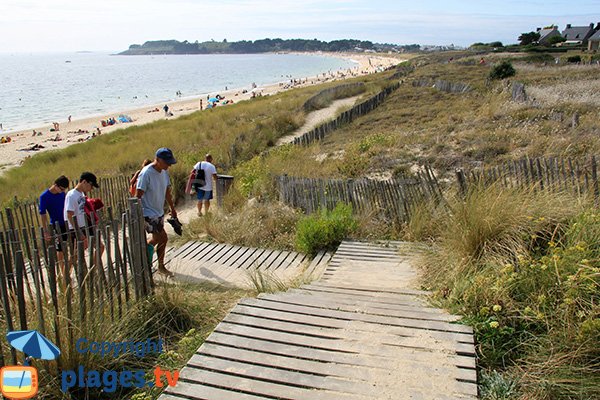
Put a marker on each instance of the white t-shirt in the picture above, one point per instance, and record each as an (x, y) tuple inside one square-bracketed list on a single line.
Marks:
[(209, 171), (75, 202)]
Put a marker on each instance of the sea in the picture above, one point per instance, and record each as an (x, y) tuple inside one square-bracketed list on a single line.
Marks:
[(37, 89)]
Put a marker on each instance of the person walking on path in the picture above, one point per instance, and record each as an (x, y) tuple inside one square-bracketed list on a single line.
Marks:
[(204, 193), (52, 201), (153, 187), (75, 204)]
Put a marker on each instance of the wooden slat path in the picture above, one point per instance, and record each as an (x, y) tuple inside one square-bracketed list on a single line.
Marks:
[(233, 265), (360, 332)]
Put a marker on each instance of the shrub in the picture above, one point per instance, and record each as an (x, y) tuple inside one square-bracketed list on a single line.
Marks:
[(325, 230), (574, 59), (502, 70)]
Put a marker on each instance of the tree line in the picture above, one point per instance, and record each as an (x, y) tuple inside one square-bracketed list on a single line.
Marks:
[(259, 46)]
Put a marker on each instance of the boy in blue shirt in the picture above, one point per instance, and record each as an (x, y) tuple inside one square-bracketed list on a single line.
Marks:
[(52, 201)]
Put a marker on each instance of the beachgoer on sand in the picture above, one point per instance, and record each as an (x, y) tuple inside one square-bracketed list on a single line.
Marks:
[(204, 192), (166, 110), (153, 188)]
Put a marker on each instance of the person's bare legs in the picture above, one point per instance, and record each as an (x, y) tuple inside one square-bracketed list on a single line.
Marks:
[(199, 205), (206, 206), (159, 240)]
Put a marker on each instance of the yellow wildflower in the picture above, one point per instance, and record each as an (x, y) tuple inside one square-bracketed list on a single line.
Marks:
[(497, 308), (494, 324)]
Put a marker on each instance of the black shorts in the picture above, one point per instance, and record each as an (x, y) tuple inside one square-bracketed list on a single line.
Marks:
[(154, 224), (60, 236)]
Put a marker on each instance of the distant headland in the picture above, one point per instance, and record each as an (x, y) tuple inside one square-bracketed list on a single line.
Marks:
[(262, 46)]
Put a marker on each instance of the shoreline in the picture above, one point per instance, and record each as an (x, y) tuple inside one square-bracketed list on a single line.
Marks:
[(24, 145)]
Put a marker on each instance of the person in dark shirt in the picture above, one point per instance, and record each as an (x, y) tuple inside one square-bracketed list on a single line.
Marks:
[(52, 202)]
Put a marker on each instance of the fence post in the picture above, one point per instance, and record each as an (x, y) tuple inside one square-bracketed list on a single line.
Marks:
[(595, 179), (6, 306), (20, 270)]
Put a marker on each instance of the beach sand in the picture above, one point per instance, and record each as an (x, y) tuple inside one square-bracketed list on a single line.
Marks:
[(23, 144)]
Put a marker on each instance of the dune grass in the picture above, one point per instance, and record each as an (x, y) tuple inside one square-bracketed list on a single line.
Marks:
[(523, 268), (232, 134), (418, 125), (182, 315)]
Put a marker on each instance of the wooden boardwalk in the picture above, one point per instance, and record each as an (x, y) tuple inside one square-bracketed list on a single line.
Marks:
[(234, 265), (360, 332)]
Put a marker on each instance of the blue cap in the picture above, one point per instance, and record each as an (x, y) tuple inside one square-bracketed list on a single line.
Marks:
[(166, 154)]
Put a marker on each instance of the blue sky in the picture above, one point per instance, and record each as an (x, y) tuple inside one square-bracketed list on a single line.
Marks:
[(71, 25)]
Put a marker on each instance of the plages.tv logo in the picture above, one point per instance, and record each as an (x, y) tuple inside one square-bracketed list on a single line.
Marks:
[(109, 381), (21, 381)]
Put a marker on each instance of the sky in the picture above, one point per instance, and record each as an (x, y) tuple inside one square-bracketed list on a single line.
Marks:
[(112, 25)]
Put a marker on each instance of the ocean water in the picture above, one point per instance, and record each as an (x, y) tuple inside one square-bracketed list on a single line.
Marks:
[(37, 89)]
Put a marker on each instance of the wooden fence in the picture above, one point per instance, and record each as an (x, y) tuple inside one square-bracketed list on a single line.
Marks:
[(346, 117), (390, 199), (313, 103), (444, 86), (553, 173), (36, 291), (113, 191)]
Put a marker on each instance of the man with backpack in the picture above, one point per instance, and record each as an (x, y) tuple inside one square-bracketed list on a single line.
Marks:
[(205, 172)]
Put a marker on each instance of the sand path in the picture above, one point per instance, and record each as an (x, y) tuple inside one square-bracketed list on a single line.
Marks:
[(317, 117)]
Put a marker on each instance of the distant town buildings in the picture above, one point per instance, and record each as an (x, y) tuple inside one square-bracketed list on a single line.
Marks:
[(587, 36)]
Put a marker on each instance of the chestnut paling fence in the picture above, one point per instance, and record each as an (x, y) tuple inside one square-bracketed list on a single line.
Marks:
[(391, 199), (56, 285), (579, 177)]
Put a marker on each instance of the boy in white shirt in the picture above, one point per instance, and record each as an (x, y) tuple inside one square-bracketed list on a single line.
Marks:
[(75, 203)]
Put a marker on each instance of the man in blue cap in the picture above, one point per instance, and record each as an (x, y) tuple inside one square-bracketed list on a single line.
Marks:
[(153, 187)]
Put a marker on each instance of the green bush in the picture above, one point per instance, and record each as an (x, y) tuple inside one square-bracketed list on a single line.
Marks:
[(325, 230), (502, 70)]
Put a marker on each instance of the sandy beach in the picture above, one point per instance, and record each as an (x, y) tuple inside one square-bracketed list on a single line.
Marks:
[(24, 144)]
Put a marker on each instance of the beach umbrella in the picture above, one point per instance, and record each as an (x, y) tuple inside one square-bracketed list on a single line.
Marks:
[(33, 344), (213, 100)]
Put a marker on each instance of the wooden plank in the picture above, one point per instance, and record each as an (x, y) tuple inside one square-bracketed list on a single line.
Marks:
[(344, 315), (467, 371), (357, 372), (257, 387), (353, 336), (183, 249), (358, 326), (195, 252), (202, 392), (201, 251), (298, 379), (292, 376), (362, 307), (366, 290), (278, 262), (250, 262), (341, 346)]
